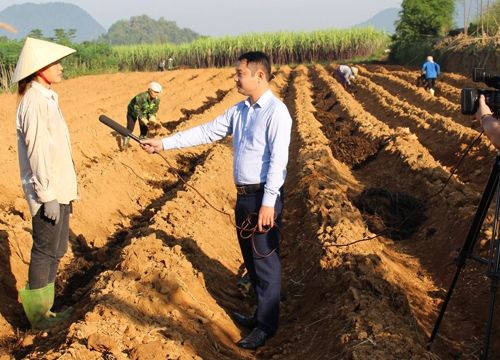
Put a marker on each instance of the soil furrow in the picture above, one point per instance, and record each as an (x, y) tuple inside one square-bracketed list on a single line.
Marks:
[(328, 219), (432, 131), (418, 96), (403, 155)]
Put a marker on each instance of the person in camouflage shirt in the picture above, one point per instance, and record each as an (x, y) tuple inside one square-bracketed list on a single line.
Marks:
[(143, 107)]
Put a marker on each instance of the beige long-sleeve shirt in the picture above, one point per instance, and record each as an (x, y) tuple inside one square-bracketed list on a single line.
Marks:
[(44, 149)]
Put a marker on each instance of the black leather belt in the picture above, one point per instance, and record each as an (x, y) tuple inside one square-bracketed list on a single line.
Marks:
[(249, 189)]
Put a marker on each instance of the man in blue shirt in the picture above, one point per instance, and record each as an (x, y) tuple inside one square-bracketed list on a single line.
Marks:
[(261, 127), (430, 70)]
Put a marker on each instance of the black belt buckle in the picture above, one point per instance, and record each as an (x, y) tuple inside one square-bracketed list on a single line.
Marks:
[(248, 189), (241, 190)]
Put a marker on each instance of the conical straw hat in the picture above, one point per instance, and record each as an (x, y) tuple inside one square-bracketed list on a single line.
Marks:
[(36, 54)]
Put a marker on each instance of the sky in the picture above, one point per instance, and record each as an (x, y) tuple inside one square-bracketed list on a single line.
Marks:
[(233, 17)]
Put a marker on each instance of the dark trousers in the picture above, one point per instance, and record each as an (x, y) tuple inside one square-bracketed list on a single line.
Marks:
[(342, 78), (264, 271), (131, 125), (50, 242), (431, 82)]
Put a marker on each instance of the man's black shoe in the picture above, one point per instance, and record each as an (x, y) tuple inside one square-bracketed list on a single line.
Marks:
[(248, 322), (255, 339)]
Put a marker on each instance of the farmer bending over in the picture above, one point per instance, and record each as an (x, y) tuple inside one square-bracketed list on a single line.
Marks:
[(345, 74), (143, 107)]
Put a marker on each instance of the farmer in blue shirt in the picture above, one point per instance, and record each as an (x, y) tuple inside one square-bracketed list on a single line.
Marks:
[(430, 70), (260, 126)]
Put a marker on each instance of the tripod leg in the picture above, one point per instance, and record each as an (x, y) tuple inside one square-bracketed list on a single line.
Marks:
[(489, 323), (466, 251), (493, 274), (445, 304)]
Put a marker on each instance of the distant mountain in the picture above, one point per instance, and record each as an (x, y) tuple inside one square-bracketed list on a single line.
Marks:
[(50, 16), (144, 30), (384, 20)]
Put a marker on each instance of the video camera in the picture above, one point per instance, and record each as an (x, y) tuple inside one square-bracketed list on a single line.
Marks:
[(469, 99)]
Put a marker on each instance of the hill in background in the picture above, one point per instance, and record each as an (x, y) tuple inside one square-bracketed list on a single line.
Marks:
[(384, 20), (136, 30), (144, 30), (29, 16)]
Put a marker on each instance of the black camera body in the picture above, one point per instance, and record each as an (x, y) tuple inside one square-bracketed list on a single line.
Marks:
[(469, 99)]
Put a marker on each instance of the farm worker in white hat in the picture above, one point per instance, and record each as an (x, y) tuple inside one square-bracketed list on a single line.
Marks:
[(431, 70), (47, 173), (345, 74), (143, 107)]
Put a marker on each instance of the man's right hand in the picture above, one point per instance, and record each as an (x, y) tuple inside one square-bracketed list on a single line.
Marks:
[(152, 145), (51, 210)]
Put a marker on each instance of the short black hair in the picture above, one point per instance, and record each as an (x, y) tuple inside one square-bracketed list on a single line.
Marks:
[(259, 58)]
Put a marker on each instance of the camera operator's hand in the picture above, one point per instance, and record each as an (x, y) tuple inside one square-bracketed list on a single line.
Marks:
[(490, 123)]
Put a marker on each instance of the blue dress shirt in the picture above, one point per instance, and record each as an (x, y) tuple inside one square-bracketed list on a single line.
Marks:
[(261, 136)]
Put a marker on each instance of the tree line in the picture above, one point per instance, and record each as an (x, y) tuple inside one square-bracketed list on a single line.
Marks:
[(422, 24)]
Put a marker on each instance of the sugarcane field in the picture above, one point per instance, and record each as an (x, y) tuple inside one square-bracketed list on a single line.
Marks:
[(290, 195)]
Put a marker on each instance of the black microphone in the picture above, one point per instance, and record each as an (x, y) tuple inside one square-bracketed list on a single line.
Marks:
[(122, 130)]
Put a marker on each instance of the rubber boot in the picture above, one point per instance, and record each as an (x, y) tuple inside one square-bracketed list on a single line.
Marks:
[(36, 305), (60, 315), (431, 91)]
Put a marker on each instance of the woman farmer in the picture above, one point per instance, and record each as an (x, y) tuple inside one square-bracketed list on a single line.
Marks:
[(47, 173)]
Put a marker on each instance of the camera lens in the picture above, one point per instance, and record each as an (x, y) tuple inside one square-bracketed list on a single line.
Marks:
[(469, 101)]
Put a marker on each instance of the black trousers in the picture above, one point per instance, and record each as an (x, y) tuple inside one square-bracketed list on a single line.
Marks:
[(131, 125), (264, 271), (50, 242), (431, 82)]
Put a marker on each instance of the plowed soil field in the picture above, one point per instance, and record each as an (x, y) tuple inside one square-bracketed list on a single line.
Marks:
[(375, 215)]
